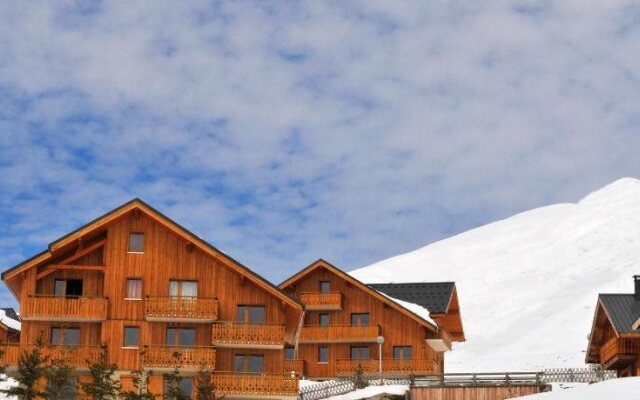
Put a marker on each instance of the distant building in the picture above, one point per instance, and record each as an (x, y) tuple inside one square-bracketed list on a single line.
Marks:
[(614, 342), (9, 326)]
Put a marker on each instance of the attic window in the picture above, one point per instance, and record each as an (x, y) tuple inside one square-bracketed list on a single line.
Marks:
[(136, 242)]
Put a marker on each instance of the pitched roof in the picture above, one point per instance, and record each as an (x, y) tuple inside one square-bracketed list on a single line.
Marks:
[(623, 310), (368, 289), (10, 319), (434, 296), (137, 203)]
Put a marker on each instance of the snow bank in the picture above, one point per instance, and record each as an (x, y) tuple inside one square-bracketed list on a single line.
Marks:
[(371, 391), (528, 284), (618, 389)]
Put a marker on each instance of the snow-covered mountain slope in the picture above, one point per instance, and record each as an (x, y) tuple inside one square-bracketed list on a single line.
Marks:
[(528, 284)]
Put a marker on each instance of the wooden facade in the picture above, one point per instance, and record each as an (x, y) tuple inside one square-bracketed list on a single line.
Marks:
[(88, 287), (345, 319)]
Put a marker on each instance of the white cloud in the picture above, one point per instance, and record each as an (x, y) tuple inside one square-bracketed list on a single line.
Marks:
[(290, 131)]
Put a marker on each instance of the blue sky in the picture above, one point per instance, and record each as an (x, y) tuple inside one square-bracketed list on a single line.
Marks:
[(286, 131)]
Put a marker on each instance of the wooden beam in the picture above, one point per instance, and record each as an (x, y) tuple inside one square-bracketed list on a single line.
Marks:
[(53, 268), (83, 252)]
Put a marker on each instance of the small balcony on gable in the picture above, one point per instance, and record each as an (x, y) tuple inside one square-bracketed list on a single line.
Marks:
[(64, 308), (181, 309), (322, 301), (339, 334), (243, 335)]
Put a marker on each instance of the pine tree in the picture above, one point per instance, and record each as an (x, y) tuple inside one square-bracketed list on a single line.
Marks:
[(141, 386), (205, 390), (173, 388), (358, 378), (60, 385), (103, 385), (31, 368)]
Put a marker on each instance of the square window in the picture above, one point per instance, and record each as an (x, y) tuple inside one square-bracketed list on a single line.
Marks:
[(359, 352), (361, 319), (131, 336), (402, 352), (136, 242), (252, 364), (250, 314), (289, 353), (134, 289), (323, 319), (325, 286), (323, 354)]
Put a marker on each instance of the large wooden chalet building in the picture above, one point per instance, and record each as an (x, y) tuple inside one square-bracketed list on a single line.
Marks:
[(346, 322), (614, 342), (159, 297)]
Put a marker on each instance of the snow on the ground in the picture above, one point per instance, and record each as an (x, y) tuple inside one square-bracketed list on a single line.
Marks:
[(371, 391), (528, 285), (5, 384), (618, 389)]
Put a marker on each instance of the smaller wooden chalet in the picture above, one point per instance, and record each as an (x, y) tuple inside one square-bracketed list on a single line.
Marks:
[(614, 342), (346, 320), (9, 326)]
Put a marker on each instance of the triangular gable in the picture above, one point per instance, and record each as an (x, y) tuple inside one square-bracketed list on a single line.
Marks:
[(141, 206), (324, 264)]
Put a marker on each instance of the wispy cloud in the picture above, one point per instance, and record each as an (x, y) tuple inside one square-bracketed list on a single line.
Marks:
[(287, 131)]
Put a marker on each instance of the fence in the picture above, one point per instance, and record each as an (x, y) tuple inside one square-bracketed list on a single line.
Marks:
[(326, 389), (580, 375), (498, 379)]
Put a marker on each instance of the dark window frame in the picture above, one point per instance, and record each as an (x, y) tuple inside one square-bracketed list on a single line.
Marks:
[(402, 352), (322, 288), (359, 350), (124, 337), (130, 243), (327, 315), (176, 336), (358, 319), (246, 313), (246, 363)]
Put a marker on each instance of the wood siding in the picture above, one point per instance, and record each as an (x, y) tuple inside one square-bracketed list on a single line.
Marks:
[(167, 256), (473, 393)]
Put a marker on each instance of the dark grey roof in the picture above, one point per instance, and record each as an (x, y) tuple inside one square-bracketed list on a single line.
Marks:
[(11, 313), (434, 296), (622, 309)]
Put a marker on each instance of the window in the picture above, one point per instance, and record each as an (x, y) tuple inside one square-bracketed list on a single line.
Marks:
[(183, 288), (360, 319), (289, 353), (181, 337), (134, 289), (323, 354), (359, 352), (67, 390), (252, 363), (402, 352), (250, 314), (325, 286), (186, 386), (65, 336), (131, 336), (136, 242), (67, 288), (323, 319)]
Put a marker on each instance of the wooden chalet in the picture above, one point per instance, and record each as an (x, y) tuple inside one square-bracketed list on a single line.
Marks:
[(157, 296), (614, 342), (346, 319)]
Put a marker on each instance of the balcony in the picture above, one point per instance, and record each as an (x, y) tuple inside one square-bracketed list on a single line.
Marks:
[(236, 335), (295, 366), (181, 309), (339, 334), (255, 386), (78, 357), (69, 309), (170, 357), (346, 367), (322, 301), (617, 353)]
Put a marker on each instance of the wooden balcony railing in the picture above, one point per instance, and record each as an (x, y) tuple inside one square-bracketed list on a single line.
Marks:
[(75, 356), (349, 367), (295, 366), (191, 309), (169, 357), (232, 384), (617, 348), (231, 334), (322, 301), (339, 334), (52, 308)]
